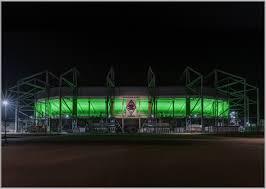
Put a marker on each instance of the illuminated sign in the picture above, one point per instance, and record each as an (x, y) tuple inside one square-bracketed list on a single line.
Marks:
[(131, 107)]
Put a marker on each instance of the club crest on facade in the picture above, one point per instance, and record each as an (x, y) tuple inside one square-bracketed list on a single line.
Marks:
[(131, 107)]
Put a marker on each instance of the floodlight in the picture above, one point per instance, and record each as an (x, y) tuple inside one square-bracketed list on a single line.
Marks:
[(5, 102)]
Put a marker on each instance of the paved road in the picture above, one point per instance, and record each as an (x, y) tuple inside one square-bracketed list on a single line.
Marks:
[(221, 161)]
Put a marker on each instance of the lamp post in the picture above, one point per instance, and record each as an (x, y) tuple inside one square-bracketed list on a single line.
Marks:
[(5, 103)]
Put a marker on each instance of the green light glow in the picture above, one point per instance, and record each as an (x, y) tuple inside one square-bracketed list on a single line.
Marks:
[(195, 106), (180, 107), (91, 107), (166, 107), (223, 108), (142, 106), (209, 107), (118, 106)]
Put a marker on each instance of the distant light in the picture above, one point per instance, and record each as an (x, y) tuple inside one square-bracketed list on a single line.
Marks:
[(67, 116), (5, 102), (233, 115)]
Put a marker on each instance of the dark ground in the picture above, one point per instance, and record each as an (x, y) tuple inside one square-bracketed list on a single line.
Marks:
[(187, 160)]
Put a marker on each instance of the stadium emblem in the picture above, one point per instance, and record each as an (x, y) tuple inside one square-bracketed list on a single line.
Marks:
[(131, 107)]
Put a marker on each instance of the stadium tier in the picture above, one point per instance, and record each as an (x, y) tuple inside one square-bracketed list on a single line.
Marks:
[(169, 102)]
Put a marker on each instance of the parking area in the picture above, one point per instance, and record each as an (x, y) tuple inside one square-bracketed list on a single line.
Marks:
[(133, 161)]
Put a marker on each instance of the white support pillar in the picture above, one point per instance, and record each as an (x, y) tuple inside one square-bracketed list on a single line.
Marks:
[(48, 125), (258, 109), (247, 110), (16, 120), (123, 125), (245, 105)]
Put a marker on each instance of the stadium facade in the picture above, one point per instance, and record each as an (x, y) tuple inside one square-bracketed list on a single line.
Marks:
[(202, 104), (132, 103)]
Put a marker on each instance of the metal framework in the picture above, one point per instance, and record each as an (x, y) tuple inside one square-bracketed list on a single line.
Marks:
[(25, 92), (152, 92), (240, 95), (194, 87), (110, 84), (69, 79)]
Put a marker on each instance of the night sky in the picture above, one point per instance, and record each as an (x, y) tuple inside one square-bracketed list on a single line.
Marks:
[(132, 36)]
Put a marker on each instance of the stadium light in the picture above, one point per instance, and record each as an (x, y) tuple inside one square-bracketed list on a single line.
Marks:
[(5, 102)]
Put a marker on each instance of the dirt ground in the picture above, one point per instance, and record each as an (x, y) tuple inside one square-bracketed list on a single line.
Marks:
[(221, 161)]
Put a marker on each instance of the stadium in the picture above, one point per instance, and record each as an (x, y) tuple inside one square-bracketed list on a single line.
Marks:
[(218, 102)]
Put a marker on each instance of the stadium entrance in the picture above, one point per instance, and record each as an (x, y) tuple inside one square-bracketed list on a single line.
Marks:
[(131, 125)]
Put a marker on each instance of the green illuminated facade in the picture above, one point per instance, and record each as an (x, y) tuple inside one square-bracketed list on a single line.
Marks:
[(163, 107)]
